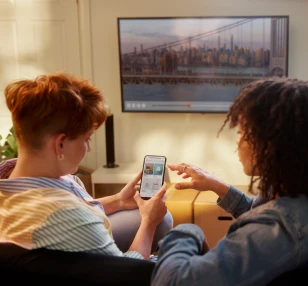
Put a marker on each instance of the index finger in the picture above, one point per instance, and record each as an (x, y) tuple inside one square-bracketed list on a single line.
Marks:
[(135, 181), (179, 167)]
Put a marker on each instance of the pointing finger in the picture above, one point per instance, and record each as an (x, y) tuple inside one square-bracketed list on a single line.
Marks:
[(135, 180)]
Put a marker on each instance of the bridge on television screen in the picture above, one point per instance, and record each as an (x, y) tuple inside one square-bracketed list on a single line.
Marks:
[(189, 79), (249, 40)]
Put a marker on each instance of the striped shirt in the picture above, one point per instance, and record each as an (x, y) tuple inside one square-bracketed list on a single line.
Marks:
[(58, 214)]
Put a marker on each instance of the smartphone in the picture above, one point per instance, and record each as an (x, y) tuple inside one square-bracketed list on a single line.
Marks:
[(153, 173)]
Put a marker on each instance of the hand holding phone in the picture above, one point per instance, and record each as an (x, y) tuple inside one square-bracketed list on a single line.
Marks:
[(153, 173)]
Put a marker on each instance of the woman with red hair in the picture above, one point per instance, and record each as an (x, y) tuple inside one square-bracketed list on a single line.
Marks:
[(41, 204)]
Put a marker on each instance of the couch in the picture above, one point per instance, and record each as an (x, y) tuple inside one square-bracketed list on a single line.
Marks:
[(51, 267), (44, 267)]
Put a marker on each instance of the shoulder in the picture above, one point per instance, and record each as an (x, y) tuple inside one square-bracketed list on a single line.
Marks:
[(77, 180), (39, 199), (286, 212)]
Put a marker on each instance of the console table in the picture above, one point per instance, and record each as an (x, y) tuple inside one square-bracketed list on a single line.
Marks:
[(119, 175)]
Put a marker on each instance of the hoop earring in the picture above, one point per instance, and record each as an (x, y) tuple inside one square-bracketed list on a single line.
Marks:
[(60, 157)]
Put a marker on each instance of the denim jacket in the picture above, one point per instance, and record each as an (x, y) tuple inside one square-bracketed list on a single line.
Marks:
[(267, 239)]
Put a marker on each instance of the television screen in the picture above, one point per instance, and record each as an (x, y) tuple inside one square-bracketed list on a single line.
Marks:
[(197, 64)]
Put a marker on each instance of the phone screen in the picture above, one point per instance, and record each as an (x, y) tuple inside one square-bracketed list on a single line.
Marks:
[(153, 172)]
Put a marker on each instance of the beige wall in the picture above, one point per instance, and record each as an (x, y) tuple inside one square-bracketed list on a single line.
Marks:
[(181, 137)]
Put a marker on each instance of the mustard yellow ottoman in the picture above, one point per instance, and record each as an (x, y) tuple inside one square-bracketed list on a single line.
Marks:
[(212, 219), (180, 204)]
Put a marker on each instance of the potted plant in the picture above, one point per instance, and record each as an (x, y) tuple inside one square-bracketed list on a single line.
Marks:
[(9, 148)]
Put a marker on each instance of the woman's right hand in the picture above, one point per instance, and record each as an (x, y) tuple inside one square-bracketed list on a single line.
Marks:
[(201, 180), (153, 211)]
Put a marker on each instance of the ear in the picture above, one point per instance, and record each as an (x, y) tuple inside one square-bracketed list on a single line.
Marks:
[(59, 144)]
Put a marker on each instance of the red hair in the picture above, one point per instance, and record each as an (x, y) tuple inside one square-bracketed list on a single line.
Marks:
[(54, 104)]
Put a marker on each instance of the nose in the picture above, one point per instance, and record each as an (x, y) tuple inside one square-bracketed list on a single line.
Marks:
[(238, 140)]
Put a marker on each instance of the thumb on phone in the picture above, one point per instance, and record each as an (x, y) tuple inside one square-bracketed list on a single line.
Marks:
[(162, 191), (138, 199)]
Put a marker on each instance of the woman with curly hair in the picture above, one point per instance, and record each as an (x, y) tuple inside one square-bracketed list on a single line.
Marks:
[(270, 234)]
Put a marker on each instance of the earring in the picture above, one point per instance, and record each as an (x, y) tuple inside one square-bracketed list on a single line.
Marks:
[(60, 157)]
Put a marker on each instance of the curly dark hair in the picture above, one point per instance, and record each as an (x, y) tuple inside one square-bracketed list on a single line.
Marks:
[(273, 114)]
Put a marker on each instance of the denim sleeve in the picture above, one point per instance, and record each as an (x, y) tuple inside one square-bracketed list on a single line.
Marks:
[(175, 249), (235, 202), (252, 254)]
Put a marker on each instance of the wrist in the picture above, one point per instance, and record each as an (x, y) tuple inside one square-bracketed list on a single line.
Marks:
[(110, 204), (220, 188), (147, 223), (118, 203)]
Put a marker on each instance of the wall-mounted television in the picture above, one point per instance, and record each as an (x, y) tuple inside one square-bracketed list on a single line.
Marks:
[(197, 64)]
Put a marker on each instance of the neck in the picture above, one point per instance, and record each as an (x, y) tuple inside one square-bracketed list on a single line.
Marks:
[(35, 165)]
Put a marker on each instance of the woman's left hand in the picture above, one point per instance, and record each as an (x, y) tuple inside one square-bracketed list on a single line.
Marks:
[(126, 195)]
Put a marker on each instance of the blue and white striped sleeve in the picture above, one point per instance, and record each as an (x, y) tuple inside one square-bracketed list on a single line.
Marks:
[(77, 229)]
